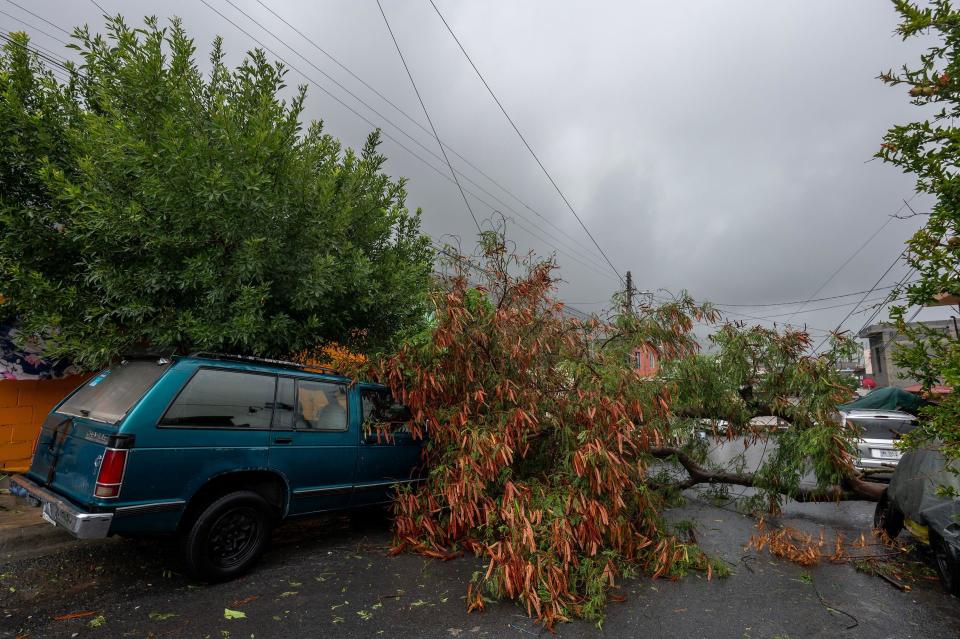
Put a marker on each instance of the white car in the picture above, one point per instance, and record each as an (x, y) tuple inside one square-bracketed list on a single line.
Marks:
[(879, 429)]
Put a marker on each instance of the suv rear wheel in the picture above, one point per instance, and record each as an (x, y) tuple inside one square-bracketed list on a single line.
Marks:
[(228, 536), (887, 517), (947, 567)]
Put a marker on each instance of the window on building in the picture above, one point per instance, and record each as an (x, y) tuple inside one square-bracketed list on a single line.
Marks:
[(879, 359)]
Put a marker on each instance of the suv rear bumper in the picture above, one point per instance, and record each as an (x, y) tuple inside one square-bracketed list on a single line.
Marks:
[(64, 514)]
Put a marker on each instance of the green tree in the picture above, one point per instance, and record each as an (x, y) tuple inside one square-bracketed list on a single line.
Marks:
[(147, 205), (930, 149)]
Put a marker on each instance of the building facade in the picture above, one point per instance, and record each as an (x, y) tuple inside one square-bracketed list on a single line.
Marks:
[(645, 361), (882, 340)]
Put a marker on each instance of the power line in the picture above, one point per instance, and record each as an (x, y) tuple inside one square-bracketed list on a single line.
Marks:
[(34, 27), (879, 307), (473, 265), (524, 140), (569, 250), (764, 319), (413, 120), (38, 17), (60, 70), (847, 316), (821, 308), (849, 259), (427, 113), (819, 299)]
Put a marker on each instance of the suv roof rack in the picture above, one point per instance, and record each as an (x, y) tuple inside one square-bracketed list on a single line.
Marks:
[(264, 360)]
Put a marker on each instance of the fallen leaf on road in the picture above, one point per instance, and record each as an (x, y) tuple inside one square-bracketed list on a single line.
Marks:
[(76, 615), (98, 621), (233, 614), (245, 600), (161, 616), (289, 593)]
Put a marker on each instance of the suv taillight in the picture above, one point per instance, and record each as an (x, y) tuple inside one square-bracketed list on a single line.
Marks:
[(110, 476)]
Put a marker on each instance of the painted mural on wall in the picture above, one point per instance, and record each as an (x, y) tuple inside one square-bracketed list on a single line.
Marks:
[(26, 363)]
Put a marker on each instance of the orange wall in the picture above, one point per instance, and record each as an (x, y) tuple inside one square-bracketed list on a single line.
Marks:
[(23, 407)]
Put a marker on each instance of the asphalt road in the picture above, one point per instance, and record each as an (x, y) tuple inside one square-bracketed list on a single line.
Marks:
[(332, 578)]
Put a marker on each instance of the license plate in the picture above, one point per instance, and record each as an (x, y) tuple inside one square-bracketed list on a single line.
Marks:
[(56, 516), (883, 453)]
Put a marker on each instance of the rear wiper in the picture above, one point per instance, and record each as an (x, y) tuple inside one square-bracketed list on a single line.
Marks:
[(85, 412)]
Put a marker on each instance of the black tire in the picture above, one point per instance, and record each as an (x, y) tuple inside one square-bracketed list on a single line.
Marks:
[(228, 536), (948, 568), (887, 517)]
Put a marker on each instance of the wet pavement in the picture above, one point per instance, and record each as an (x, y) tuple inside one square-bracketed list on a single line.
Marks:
[(332, 576)]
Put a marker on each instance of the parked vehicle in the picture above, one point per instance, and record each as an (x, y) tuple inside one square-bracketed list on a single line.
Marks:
[(880, 430), (216, 450), (922, 498)]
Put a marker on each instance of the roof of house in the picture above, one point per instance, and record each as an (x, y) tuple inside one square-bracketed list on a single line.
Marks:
[(881, 329)]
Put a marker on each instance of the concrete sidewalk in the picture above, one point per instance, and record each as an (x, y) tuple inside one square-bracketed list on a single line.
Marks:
[(24, 533)]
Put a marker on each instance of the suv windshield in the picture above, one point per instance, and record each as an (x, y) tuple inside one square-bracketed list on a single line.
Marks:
[(108, 396), (876, 428)]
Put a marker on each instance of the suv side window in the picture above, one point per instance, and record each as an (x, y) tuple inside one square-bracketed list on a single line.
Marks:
[(320, 406), (223, 399), (379, 407)]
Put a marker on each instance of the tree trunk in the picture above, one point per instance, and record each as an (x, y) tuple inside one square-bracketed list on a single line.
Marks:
[(853, 488)]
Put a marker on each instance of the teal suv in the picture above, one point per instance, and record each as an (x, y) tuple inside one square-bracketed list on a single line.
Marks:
[(216, 450)]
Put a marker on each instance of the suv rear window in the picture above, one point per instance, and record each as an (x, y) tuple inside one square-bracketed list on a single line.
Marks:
[(882, 428), (109, 396)]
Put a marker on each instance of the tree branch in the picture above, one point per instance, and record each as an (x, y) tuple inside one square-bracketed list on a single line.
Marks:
[(853, 488)]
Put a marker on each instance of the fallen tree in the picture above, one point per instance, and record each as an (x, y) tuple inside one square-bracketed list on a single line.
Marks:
[(853, 487), (546, 450)]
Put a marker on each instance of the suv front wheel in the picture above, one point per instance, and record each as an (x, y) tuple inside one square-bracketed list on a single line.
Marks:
[(228, 536)]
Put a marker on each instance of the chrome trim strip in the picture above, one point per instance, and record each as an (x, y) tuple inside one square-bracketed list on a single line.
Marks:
[(143, 509), (381, 484), (315, 492)]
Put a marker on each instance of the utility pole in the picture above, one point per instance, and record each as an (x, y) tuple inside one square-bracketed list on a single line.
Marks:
[(630, 292)]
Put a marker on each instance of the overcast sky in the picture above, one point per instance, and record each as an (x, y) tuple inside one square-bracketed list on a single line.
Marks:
[(720, 147)]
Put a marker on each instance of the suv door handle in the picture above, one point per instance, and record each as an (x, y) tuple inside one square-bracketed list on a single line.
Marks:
[(283, 440)]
